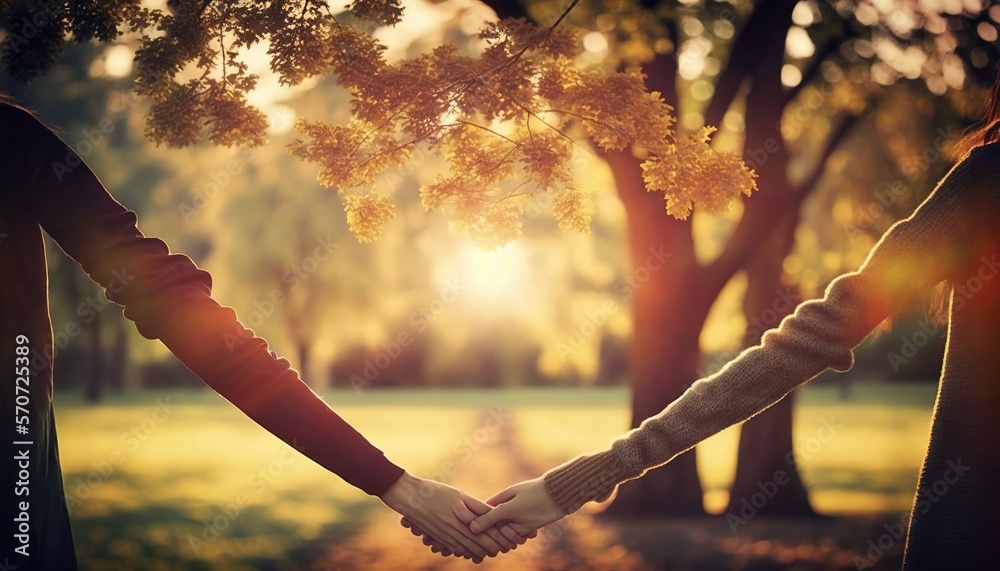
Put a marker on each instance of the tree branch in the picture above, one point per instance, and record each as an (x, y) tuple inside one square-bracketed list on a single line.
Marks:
[(201, 9), (757, 57), (662, 71), (738, 67), (508, 9), (483, 127), (758, 221), (564, 14), (814, 67), (841, 127)]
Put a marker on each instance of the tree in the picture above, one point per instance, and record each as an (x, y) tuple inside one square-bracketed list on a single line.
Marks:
[(670, 311), (523, 80), (508, 118)]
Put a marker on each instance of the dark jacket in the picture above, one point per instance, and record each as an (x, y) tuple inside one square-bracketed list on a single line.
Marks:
[(44, 185)]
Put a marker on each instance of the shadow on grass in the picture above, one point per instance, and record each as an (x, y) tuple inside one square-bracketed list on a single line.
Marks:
[(885, 482), (766, 544), (167, 536)]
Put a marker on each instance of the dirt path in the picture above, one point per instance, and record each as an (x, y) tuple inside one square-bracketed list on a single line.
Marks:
[(586, 543), (578, 543)]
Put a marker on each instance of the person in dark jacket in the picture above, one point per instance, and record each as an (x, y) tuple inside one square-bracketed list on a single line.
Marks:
[(46, 186)]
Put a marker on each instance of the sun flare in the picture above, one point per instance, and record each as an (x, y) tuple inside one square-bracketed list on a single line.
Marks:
[(500, 281)]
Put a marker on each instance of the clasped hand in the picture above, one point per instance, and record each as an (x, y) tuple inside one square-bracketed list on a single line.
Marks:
[(451, 522)]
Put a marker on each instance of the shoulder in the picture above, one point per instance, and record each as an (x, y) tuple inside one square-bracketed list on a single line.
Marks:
[(975, 176), (9, 111), (27, 146), (21, 132), (18, 121), (984, 170), (976, 179), (985, 158)]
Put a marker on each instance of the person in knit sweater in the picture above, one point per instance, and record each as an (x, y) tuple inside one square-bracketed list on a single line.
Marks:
[(47, 186), (953, 237)]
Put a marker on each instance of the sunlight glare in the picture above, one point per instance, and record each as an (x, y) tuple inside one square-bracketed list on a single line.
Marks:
[(118, 61), (498, 276), (422, 20), (802, 15), (595, 42), (798, 44), (790, 75), (500, 280)]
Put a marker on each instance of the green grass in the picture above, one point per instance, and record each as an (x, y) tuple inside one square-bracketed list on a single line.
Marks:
[(152, 510)]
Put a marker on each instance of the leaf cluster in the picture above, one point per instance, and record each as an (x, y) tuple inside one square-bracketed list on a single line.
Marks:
[(509, 120)]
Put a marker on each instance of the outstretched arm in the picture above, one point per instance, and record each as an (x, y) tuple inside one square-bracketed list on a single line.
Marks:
[(169, 298), (915, 254)]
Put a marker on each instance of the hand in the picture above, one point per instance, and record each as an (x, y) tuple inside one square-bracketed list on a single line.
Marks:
[(442, 512), (501, 534), (525, 507)]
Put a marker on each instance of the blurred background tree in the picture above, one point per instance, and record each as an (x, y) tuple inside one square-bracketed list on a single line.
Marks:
[(831, 102), (788, 81)]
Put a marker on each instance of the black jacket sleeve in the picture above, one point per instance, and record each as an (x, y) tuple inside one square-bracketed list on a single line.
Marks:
[(169, 298)]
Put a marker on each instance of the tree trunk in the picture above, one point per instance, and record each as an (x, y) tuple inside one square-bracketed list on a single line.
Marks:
[(669, 305), (119, 355), (766, 441), (95, 379), (766, 461), (670, 308), (665, 359), (303, 350)]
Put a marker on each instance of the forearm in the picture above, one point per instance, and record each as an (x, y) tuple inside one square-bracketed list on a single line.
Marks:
[(820, 335), (169, 298), (300, 418), (210, 341), (706, 408), (913, 256)]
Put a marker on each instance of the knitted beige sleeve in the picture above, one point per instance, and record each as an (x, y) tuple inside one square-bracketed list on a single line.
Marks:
[(911, 257)]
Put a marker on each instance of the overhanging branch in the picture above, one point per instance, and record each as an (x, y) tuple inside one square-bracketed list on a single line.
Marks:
[(741, 64), (508, 9), (814, 67), (841, 127)]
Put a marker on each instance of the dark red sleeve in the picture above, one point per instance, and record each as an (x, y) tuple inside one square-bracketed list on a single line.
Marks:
[(169, 298)]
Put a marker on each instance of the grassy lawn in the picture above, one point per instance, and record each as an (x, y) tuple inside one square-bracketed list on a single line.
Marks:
[(196, 485)]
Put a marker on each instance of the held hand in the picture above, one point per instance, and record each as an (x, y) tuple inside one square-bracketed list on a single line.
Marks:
[(442, 512), (503, 534), (525, 507)]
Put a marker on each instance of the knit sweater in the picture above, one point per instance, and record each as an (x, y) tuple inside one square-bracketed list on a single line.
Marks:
[(44, 185), (953, 237)]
